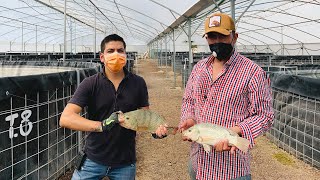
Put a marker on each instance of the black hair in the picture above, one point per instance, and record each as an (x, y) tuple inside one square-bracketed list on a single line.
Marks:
[(111, 37)]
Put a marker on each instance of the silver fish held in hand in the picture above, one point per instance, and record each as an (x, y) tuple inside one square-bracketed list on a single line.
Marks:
[(208, 135)]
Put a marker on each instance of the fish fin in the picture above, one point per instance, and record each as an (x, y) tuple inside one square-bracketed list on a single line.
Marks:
[(200, 139), (206, 148), (242, 144), (205, 139)]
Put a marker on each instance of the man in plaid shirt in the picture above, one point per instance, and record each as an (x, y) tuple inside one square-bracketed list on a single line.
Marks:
[(232, 91)]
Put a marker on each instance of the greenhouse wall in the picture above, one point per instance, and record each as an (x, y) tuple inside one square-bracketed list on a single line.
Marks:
[(33, 145), (296, 128)]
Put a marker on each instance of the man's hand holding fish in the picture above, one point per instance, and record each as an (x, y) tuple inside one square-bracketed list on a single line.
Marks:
[(224, 144)]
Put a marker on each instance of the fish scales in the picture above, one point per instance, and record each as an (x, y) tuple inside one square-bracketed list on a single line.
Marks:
[(142, 120), (208, 135)]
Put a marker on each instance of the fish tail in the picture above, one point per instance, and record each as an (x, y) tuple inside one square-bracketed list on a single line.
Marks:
[(242, 144)]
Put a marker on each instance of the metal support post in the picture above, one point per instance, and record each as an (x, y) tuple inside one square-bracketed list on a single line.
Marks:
[(232, 6), (166, 53), (36, 39), (79, 133), (95, 34), (190, 50), (65, 30), (71, 36), (161, 41), (22, 49), (174, 59), (158, 51), (75, 37)]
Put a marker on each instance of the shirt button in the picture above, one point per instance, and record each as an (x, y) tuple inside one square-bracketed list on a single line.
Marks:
[(205, 96)]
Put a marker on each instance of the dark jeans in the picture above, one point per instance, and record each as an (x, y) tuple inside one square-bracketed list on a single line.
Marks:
[(93, 171)]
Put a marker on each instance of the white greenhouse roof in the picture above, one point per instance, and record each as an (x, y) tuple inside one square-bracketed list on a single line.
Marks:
[(26, 24)]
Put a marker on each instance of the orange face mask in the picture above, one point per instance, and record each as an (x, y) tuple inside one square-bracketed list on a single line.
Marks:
[(115, 61)]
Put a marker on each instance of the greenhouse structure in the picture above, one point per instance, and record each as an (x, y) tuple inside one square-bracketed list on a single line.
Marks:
[(47, 47)]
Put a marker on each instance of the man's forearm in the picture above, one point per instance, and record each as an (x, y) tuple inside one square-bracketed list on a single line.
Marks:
[(98, 128), (79, 123)]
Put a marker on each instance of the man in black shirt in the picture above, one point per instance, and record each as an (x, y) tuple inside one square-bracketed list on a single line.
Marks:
[(110, 148)]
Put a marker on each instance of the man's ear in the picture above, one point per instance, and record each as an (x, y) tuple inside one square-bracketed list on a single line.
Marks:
[(235, 37), (101, 57)]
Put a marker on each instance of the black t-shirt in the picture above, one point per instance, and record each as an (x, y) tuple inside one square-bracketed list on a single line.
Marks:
[(116, 147)]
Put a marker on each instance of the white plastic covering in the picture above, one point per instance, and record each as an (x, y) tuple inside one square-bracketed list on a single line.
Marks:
[(278, 26)]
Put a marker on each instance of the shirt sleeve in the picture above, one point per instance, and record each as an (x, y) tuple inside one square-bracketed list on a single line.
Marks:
[(260, 108), (82, 93), (188, 101)]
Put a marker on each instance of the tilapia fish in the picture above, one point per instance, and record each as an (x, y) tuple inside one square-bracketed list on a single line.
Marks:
[(208, 135), (143, 120)]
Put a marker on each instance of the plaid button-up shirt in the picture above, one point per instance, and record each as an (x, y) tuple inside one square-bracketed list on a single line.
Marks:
[(240, 95)]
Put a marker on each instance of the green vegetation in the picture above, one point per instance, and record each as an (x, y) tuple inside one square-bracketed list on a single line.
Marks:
[(283, 158)]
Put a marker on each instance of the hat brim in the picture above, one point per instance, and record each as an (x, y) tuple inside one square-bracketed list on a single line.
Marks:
[(218, 30)]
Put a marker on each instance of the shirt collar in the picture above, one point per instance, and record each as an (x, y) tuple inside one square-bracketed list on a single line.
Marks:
[(126, 72), (232, 59)]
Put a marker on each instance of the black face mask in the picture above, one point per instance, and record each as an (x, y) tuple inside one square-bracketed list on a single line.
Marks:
[(223, 50)]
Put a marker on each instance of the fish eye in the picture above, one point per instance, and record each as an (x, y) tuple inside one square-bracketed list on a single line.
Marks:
[(127, 118), (189, 130)]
